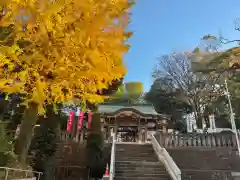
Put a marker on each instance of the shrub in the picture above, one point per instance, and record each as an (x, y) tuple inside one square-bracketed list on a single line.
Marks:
[(44, 143), (96, 160), (7, 154)]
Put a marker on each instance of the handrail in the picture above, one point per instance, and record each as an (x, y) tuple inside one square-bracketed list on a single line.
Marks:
[(166, 159), (112, 162), (7, 169)]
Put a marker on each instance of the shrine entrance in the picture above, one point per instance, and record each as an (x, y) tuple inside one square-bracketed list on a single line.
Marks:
[(130, 123), (127, 134)]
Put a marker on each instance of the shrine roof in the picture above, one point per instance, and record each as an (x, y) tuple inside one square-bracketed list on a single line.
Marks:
[(144, 109)]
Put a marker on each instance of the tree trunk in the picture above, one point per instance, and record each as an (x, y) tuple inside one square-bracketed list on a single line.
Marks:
[(199, 121), (3, 107), (24, 139), (198, 115)]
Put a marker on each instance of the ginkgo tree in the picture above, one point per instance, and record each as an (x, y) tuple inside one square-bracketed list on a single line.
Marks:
[(61, 51), (134, 90)]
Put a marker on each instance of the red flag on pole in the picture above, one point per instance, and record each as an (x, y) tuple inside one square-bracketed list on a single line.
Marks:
[(70, 122), (80, 120), (89, 119)]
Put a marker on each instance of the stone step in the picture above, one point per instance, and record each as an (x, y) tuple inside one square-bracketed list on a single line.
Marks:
[(140, 167), (146, 158), (135, 159), (142, 178), (142, 170), (135, 153), (127, 146), (133, 147), (134, 156), (138, 162), (141, 163), (142, 175), (145, 168)]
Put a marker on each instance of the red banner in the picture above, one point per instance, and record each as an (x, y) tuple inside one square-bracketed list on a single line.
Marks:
[(70, 122), (89, 119), (80, 120)]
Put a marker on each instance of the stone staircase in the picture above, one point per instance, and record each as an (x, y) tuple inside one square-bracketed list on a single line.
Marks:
[(138, 162)]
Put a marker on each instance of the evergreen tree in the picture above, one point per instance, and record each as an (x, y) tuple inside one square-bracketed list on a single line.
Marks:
[(44, 143), (95, 152)]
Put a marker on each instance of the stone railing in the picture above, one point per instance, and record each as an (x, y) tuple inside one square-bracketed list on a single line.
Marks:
[(197, 140), (25, 174), (166, 159), (112, 162)]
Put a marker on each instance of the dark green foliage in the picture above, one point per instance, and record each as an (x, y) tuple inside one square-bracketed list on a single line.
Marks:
[(97, 160), (11, 110), (44, 143), (95, 137), (25, 136), (3, 105), (6, 146), (168, 101), (180, 126), (16, 117), (237, 121)]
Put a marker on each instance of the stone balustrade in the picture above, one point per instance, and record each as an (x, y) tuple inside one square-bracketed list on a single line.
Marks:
[(197, 140)]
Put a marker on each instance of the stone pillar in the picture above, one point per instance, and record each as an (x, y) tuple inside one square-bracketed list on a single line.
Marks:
[(164, 126), (212, 121), (189, 120), (146, 132), (139, 134)]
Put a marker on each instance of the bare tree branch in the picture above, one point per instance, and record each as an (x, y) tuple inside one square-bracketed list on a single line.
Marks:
[(227, 41), (237, 28), (195, 88)]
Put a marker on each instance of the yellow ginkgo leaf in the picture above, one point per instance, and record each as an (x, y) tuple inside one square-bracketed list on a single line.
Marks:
[(63, 51)]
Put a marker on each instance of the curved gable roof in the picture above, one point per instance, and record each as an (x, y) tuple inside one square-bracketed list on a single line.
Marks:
[(143, 110)]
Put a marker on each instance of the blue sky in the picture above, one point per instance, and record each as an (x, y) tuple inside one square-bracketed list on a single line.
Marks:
[(161, 26)]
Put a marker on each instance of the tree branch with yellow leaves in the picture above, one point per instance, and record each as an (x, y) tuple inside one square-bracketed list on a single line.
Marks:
[(61, 51)]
